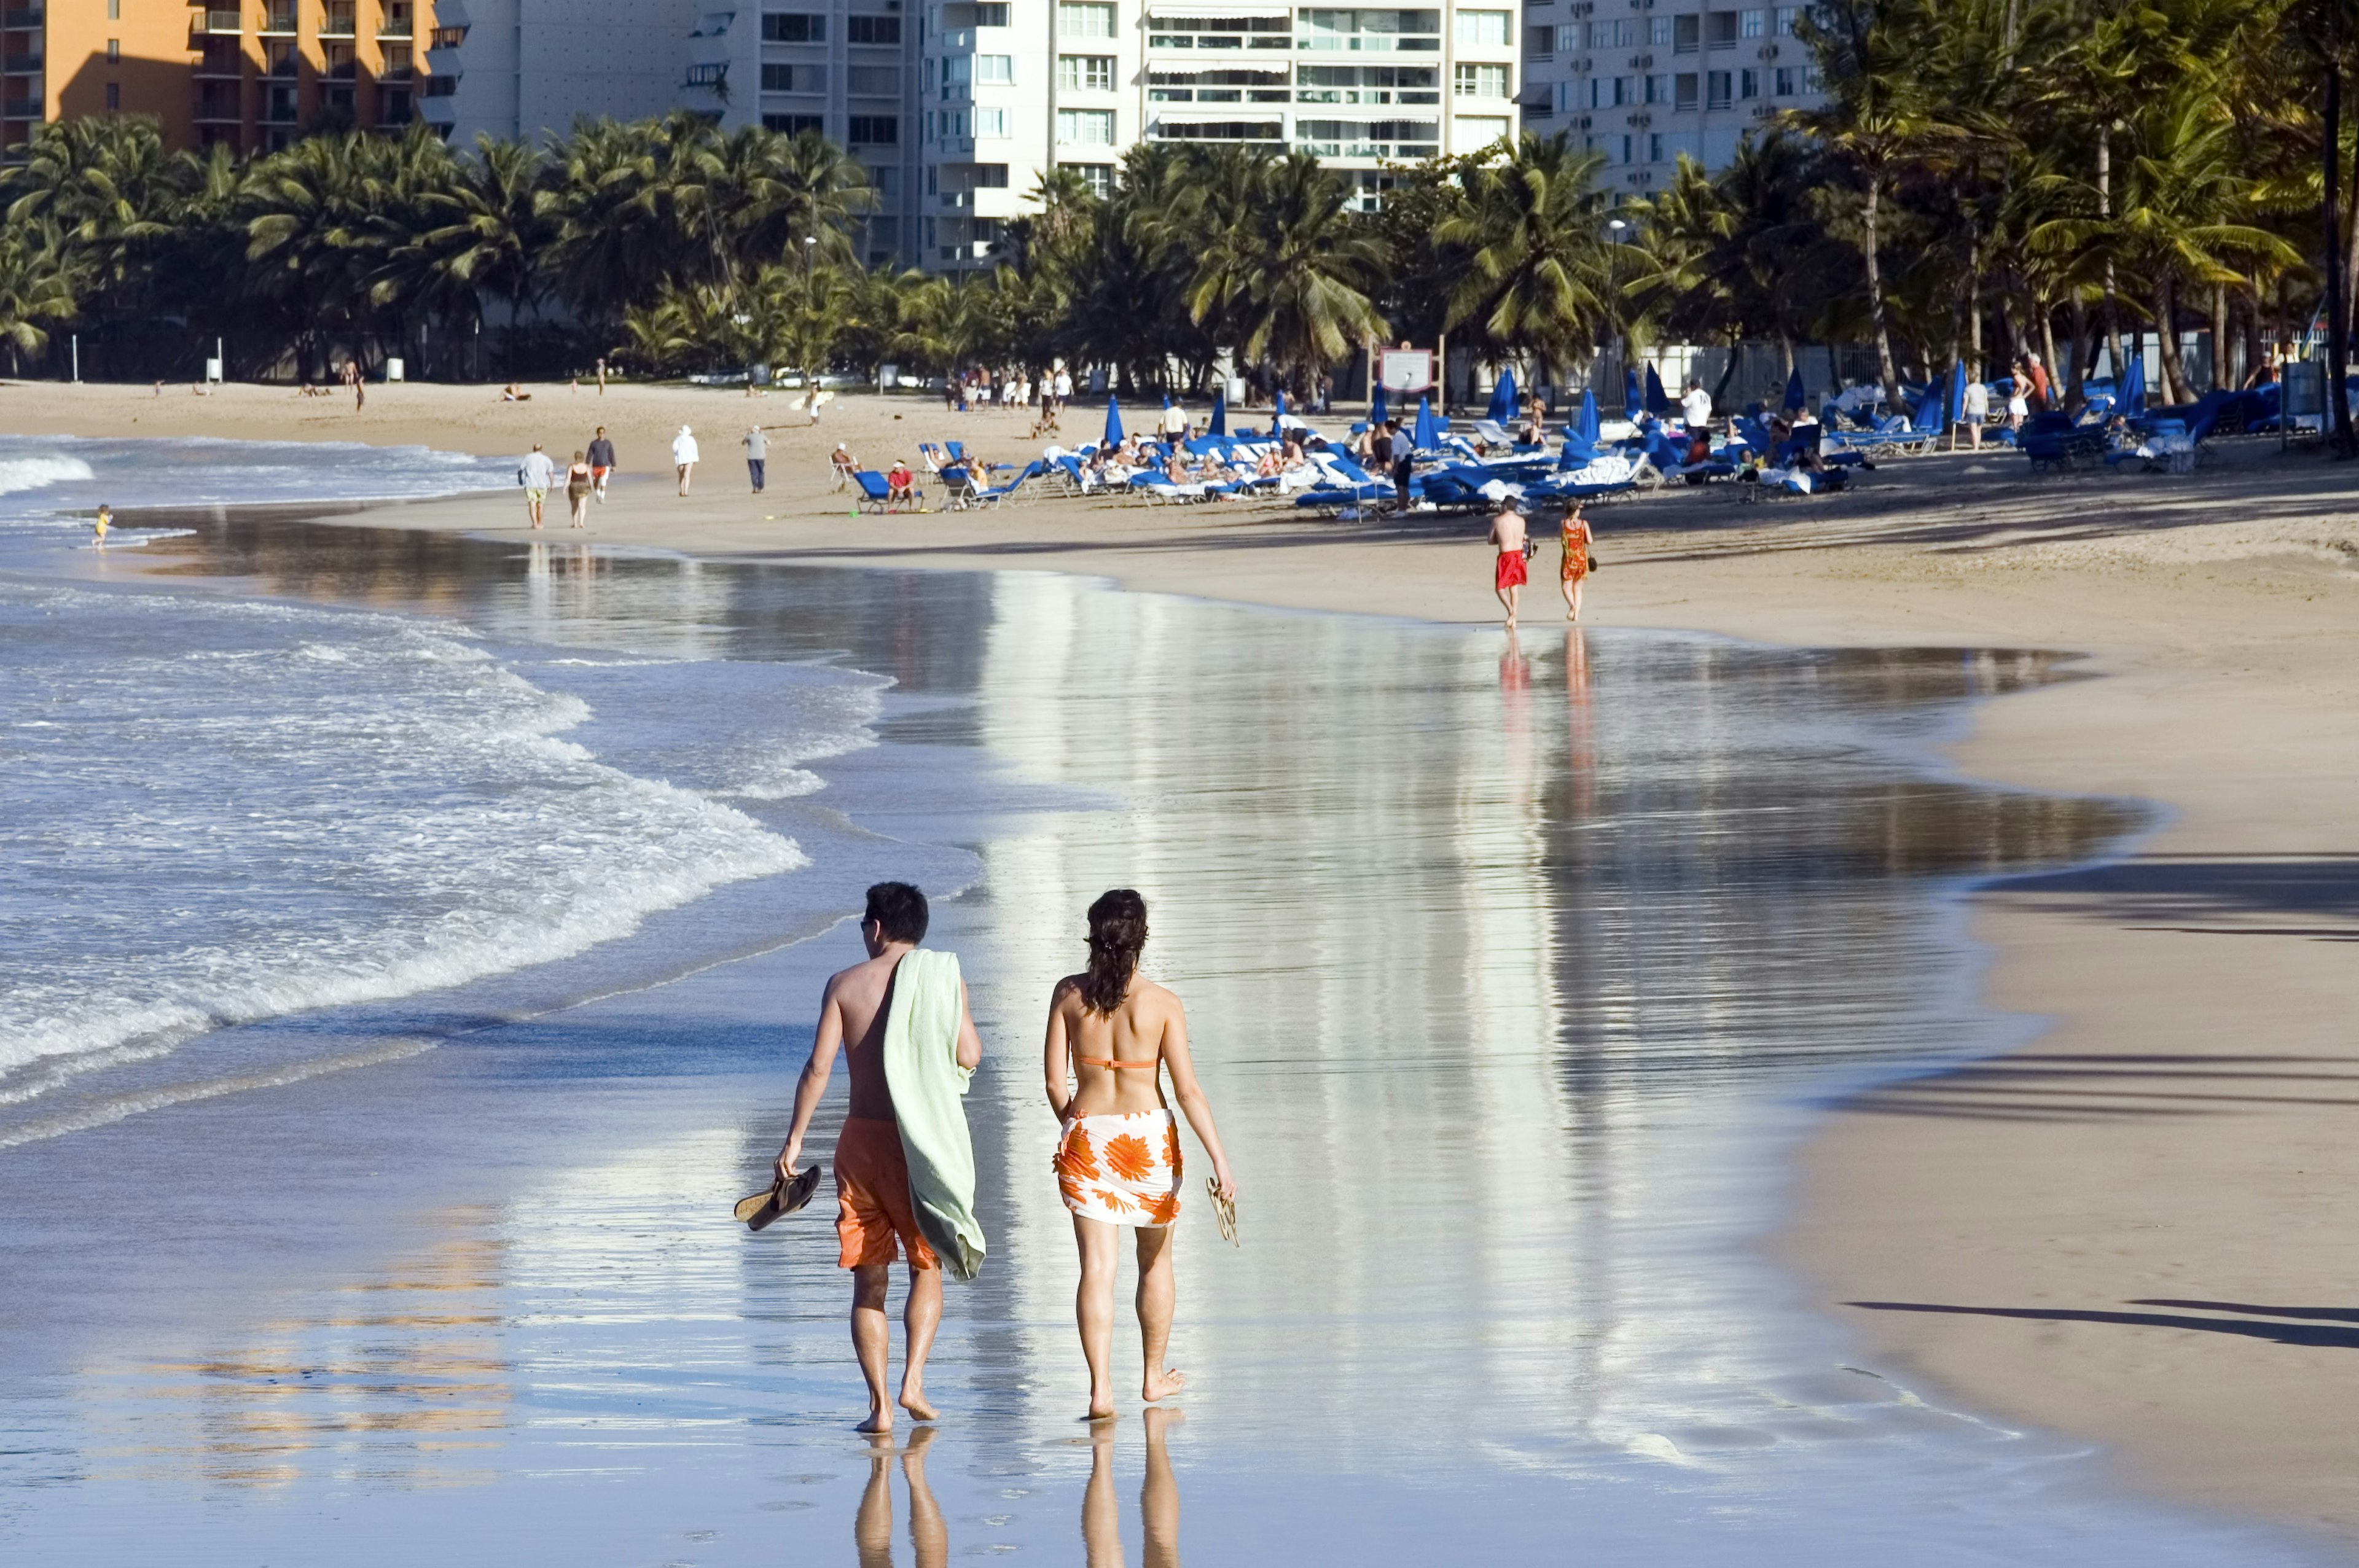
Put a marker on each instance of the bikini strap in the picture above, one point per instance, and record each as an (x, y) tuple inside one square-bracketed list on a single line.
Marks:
[(1110, 1062)]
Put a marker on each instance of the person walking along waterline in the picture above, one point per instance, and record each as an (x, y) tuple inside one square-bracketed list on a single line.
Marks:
[(1573, 571), (757, 454), (1508, 572), (901, 1019), (578, 485), (1118, 1154), (601, 457), (536, 474), (683, 457)]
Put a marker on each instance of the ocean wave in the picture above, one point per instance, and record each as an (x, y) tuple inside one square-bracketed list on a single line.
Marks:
[(38, 470)]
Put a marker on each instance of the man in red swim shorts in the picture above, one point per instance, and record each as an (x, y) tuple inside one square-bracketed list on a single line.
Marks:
[(1507, 573)]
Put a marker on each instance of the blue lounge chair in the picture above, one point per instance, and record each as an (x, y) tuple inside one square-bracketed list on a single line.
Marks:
[(875, 496)]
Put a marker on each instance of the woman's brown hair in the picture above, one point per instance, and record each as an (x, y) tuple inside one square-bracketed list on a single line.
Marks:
[(1117, 931)]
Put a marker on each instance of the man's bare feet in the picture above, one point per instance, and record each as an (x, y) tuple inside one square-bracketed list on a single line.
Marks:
[(879, 1421), (1170, 1381), (914, 1401)]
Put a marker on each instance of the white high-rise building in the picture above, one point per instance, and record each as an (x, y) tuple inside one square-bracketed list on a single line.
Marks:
[(1644, 81), (521, 69), (1011, 87)]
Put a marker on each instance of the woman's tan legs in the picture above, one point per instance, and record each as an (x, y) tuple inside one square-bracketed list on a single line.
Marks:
[(1155, 1295), (1094, 1309)]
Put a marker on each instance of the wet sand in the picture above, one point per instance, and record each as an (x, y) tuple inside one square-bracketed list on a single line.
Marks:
[(2127, 1229)]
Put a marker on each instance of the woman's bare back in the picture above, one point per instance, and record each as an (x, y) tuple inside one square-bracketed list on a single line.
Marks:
[(1132, 1034)]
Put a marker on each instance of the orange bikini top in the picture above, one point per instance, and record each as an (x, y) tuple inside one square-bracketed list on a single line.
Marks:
[(1110, 1062)]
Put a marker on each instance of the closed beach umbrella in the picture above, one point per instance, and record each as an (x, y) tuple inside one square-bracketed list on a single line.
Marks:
[(1113, 422), (1429, 430), (1658, 404), (1957, 392), (1220, 425), (1377, 412), (1503, 397), (1277, 415), (1634, 402), (1586, 424), (2131, 393), (1794, 398)]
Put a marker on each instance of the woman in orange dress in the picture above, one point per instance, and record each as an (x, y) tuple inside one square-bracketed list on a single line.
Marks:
[(1118, 1155), (1575, 568)]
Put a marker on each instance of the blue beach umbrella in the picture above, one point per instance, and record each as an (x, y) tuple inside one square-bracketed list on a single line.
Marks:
[(1277, 415), (1584, 425), (1377, 412), (1957, 410), (1795, 399), (1633, 401), (1429, 430), (1220, 425), (1503, 397), (1113, 422), (2132, 397), (1656, 402)]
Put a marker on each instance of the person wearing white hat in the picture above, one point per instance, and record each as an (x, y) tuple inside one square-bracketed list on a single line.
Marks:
[(684, 456)]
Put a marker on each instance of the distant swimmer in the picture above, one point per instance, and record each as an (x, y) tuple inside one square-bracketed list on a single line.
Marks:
[(102, 522), (904, 1167), (1118, 1152), (1507, 573)]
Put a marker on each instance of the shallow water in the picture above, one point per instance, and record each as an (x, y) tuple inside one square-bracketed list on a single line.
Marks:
[(1513, 971)]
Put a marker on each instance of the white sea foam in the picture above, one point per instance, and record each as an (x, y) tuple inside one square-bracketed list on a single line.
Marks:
[(38, 470), (215, 812)]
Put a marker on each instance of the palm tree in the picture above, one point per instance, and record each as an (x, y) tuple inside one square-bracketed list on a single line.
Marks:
[(37, 286), (491, 230), (316, 233), (112, 191), (1539, 282), (1292, 272)]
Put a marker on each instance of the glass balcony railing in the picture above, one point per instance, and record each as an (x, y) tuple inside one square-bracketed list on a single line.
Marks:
[(278, 23)]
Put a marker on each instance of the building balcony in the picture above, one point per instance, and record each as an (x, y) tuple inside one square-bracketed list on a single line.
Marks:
[(336, 27), (212, 71), (23, 65), (215, 24), (394, 33), (275, 25), (23, 109), (28, 16), (218, 111)]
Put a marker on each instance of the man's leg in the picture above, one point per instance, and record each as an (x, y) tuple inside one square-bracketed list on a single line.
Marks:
[(872, 1339), (1094, 1308), (1155, 1293), (1515, 596), (920, 1316)]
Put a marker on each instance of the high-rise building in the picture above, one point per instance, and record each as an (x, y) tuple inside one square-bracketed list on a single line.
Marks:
[(254, 76), (1644, 80), (520, 70), (1011, 87)]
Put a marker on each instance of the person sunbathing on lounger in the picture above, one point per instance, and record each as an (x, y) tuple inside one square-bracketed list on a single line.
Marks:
[(900, 484)]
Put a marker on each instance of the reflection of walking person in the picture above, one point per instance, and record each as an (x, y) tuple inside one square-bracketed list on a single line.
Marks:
[(1118, 1155), (1573, 571), (1507, 573), (683, 457), (1159, 1499), (904, 1169), (872, 1526)]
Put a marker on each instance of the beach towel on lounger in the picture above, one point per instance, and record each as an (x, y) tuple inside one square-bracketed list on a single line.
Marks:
[(928, 1086)]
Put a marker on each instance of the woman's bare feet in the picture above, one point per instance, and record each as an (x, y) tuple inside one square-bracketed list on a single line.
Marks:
[(1170, 1381), (914, 1401)]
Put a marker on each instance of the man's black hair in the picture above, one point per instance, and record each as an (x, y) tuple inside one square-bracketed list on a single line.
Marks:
[(899, 911)]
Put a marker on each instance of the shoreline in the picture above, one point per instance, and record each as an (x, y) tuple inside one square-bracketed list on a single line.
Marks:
[(2127, 1228)]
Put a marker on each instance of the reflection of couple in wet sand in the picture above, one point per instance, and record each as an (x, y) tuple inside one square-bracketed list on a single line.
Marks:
[(905, 1172), (930, 1536)]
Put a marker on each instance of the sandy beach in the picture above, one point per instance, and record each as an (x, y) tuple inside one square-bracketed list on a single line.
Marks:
[(2131, 1229)]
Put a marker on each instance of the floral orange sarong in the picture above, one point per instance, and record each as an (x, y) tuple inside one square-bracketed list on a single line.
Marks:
[(1123, 1170)]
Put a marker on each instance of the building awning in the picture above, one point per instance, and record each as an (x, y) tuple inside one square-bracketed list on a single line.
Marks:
[(1188, 10)]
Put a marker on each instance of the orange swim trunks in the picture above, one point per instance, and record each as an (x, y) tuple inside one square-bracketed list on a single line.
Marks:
[(872, 1197), (1509, 573)]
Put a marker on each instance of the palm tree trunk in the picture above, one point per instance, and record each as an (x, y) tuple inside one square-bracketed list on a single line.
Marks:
[(1867, 249), (2047, 335), (2256, 347), (2076, 394), (2222, 377), (2165, 318), (2105, 214)]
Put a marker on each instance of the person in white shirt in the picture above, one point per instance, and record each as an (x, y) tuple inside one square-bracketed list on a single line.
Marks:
[(536, 474), (684, 456), (1977, 411), (1697, 406), (1064, 387)]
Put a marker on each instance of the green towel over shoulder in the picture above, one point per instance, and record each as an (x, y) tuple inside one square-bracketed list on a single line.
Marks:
[(927, 1086)]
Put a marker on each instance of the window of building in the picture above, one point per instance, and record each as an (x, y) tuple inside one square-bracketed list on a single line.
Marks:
[(1687, 34), (1658, 32), (991, 123), (1749, 86), (1098, 177), (114, 97), (873, 80), (1752, 24), (1810, 80), (1480, 28), (1480, 81), (1084, 19), (1621, 34), (795, 125), (115, 51), (995, 69), (793, 28), (1784, 18), (1683, 90), (991, 14), (393, 106), (794, 77), (874, 130), (114, 10), (1658, 90), (1782, 82), (446, 37), (1628, 149), (1720, 30), (1654, 146), (1086, 127), (1717, 89), (1540, 42), (872, 29), (1085, 72), (709, 75)]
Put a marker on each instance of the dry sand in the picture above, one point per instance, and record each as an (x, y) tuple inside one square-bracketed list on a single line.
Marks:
[(2138, 1227)]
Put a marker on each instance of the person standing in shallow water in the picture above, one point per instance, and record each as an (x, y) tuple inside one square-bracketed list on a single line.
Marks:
[(1113, 1034)]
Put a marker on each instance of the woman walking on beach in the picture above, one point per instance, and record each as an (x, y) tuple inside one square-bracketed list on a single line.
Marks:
[(1118, 1159), (579, 483), (1574, 570)]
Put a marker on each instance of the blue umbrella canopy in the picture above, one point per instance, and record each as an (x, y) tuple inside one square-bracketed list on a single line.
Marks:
[(1957, 392), (1220, 425), (1633, 401), (1277, 415), (2132, 397), (1113, 422), (1585, 424), (1656, 402), (1503, 397), (1377, 412), (1429, 430), (1795, 399)]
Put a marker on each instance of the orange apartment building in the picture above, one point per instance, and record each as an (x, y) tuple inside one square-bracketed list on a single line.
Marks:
[(252, 73)]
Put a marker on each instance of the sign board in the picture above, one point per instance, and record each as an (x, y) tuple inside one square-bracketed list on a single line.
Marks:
[(213, 369), (887, 375), (1405, 370), (393, 368)]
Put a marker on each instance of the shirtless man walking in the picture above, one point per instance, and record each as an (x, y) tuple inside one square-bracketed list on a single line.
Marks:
[(872, 1172), (1507, 573)]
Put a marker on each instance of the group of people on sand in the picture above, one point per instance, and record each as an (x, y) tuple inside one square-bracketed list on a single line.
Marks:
[(585, 478), (1011, 389), (1512, 547), (900, 1019)]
